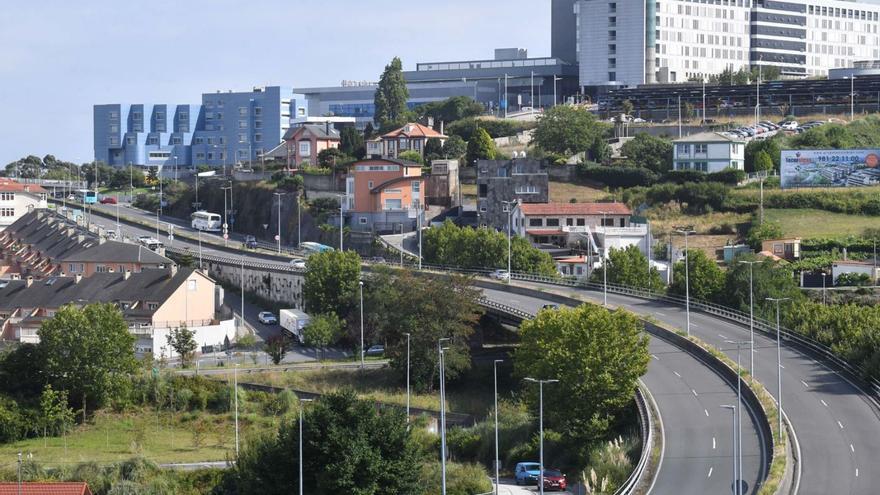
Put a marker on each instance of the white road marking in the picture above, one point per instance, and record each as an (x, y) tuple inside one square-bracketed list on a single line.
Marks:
[(713, 443), (655, 357), (853, 449), (694, 391), (722, 336), (823, 402), (707, 412), (857, 472), (840, 425), (805, 384), (676, 374), (710, 472), (660, 314), (782, 366)]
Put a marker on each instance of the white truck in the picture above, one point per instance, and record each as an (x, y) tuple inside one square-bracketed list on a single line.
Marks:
[(293, 321)]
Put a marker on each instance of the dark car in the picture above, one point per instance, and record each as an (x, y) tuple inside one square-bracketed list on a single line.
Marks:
[(550, 306), (554, 480), (250, 242), (376, 350), (108, 200)]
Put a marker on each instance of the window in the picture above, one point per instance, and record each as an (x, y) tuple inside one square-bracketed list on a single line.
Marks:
[(701, 148), (210, 156), (101, 269), (114, 115), (7, 196), (369, 184), (612, 76), (242, 138), (483, 190), (199, 140), (416, 186), (536, 222), (221, 140), (153, 140), (581, 222), (258, 111), (569, 222), (160, 116), (219, 116), (114, 141), (114, 128), (528, 189), (152, 306), (258, 138), (393, 204), (242, 154), (200, 156), (258, 124), (183, 116), (242, 124), (404, 143), (502, 172), (191, 285), (305, 148), (684, 148), (362, 220), (136, 116), (242, 111), (71, 268), (608, 222), (176, 140)]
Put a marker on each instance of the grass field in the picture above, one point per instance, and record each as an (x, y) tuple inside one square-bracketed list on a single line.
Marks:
[(806, 223)]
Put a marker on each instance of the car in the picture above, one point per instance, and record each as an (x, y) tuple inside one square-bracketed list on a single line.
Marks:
[(789, 125), (554, 480), (500, 275), (250, 242), (111, 234), (526, 473), (377, 259), (550, 306), (376, 350), (108, 200), (267, 318), (298, 263)]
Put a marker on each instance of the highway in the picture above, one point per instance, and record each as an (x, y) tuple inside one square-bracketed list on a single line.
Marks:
[(837, 426)]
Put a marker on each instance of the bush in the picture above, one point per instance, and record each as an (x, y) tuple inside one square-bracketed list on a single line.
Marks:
[(762, 232), (616, 176), (684, 176), (465, 128), (730, 176), (853, 280)]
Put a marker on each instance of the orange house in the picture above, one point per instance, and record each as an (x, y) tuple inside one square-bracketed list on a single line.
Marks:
[(305, 142), (384, 195)]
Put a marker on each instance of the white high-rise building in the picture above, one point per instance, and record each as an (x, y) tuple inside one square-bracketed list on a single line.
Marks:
[(629, 42)]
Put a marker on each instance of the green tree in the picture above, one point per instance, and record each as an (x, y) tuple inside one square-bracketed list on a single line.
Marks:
[(626, 107), (56, 416), (348, 447), (276, 348), (705, 277), (351, 142), (88, 352), (182, 341), (454, 148), (323, 330), (568, 130), (391, 97), (651, 152), (596, 354), (760, 232), (480, 147), (450, 109), (763, 162), (628, 266), (433, 150), (411, 156), (331, 282), (769, 279)]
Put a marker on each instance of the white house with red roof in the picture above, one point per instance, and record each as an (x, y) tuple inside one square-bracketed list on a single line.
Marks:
[(411, 136), (17, 199)]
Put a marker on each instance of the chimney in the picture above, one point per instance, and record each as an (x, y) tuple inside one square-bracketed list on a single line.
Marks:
[(327, 127), (29, 281), (77, 278), (126, 275), (441, 126)]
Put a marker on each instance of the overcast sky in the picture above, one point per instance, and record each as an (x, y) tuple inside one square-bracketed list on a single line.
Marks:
[(61, 57)]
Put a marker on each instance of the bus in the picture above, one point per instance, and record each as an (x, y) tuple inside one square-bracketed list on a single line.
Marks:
[(314, 247), (207, 221), (86, 196)]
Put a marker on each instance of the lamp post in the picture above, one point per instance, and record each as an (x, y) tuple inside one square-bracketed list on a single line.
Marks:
[(852, 98), (197, 205), (301, 408), (510, 205), (200, 247), (235, 382), (541, 428), (751, 315), (19, 473), (175, 168), (687, 279), (361, 287), (497, 461), (407, 376), (278, 195), (532, 92), (342, 197), (440, 350), (735, 485), (225, 212), (506, 103), (419, 219), (738, 438), (778, 300), (605, 258), (130, 183), (824, 288), (555, 99), (298, 218), (242, 293)]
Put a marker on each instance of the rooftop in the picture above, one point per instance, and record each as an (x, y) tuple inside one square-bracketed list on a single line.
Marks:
[(709, 137), (412, 130), (317, 130), (575, 209), (117, 252), (32, 488), (11, 185)]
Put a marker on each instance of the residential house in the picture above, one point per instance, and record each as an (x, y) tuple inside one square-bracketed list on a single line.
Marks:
[(384, 195), (112, 256), (443, 187), (18, 199), (868, 268), (574, 266), (500, 182), (785, 249), (45, 488), (708, 152), (412, 136), (302, 144)]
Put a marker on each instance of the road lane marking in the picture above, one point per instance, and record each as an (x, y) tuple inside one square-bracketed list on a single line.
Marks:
[(857, 472), (853, 449), (823, 402), (805, 384), (710, 472), (713, 443), (707, 412), (694, 391), (840, 425), (722, 336), (655, 357), (676, 374)]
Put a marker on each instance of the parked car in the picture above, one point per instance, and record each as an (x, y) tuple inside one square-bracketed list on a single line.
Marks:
[(789, 125), (376, 350), (111, 234), (500, 275), (554, 480), (298, 263), (377, 259), (108, 200), (267, 318), (250, 242), (526, 473), (550, 306)]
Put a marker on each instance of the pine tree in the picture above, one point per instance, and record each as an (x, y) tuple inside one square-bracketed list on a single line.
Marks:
[(480, 147), (391, 97)]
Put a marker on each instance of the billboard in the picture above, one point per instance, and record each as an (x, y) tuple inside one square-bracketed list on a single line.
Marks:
[(829, 168)]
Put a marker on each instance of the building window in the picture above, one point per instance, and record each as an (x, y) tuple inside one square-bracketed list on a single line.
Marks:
[(258, 138), (569, 222), (242, 111), (393, 204), (305, 148), (242, 124), (528, 189), (210, 156), (581, 222), (221, 140), (701, 148), (200, 156), (258, 111), (242, 154), (114, 141), (258, 124), (153, 140), (71, 268), (7, 212), (242, 138), (136, 116), (199, 140), (191, 285), (121, 268), (152, 306), (536, 222), (369, 184), (416, 186), (183, 116), (7, 196), (160, 116), (114, 128), (176, 140), (684, 149), (101, 269), (612, 76), (362, 220), (502, 172), (553, 222), (608, 222)]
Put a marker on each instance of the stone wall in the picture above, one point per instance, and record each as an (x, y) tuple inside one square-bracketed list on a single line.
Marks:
[(277, 285)]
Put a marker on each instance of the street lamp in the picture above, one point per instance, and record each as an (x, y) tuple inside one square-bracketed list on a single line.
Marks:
[(852, 98), (733, 438), (824, 288), (738, 438), (361, 286), (555, 78), (341, 218), (541, 428), (279, 220), (751, 315), (497, 461), (235, 382), (19, 473), (687, 279), (301, 407), (298, 218), (407, 376), (778, 300), (532, 92), (605, 257), (510, 205), (440, 350), (175, 168), (225, 213)]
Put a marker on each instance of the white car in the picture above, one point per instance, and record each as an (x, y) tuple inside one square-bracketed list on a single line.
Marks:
[(790, 125), (500, 275), (298, 263), (267, 318)]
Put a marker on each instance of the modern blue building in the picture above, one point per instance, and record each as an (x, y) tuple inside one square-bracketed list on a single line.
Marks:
[(227, 128)]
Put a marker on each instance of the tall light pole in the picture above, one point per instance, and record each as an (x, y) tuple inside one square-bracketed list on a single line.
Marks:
[(751, 315), (605, 257), (704, 102), (510, 205), (440, 350), (555, 99), (242, 292), (130, 183), (361, 287), (852, 98), (733, 441), (301, 411), (298, 218), (200, 247), (541, 428), (175, 168), (532, 92), (225, 219), (824, 288), (342, 197), (235, 382), (506, 102), (197, 206), (407, 376), (419, 219), (778, 300), (279, 195), (738, 413), (687, 279), (497, 457), (19, 473)]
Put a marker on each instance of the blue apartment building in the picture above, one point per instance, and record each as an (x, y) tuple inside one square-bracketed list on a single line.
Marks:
[(227, 128)]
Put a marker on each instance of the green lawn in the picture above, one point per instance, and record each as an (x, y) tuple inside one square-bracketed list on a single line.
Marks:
[(806, 223)]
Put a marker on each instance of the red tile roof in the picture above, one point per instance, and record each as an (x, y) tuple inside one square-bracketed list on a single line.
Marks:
[(574, 209), (544, 231), (11, 185), (575, 259), (45, 489), (415, 130)]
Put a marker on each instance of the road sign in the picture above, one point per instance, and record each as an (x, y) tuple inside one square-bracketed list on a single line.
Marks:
[(170, 237), (225, 236), (225, 226), (277, 238)]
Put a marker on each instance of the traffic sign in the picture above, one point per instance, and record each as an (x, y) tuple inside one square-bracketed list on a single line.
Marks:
[(277, 238), (170, 237), (225, 236), (225, 225)]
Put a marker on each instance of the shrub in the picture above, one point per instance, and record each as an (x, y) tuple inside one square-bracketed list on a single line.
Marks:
[(730, 176), (616, 176), (853, 279)]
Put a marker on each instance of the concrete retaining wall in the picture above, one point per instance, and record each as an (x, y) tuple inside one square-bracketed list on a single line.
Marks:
[(285, 288)]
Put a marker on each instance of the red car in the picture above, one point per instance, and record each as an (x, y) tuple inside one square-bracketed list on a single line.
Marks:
[(554, 480), (108, 200)]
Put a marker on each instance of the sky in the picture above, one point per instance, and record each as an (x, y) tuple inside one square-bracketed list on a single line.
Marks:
[(61, 57)]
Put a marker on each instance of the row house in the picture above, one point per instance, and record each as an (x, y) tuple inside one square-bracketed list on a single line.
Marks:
[(384, 195)]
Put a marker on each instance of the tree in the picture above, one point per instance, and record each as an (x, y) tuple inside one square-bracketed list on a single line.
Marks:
[(454, 148), (331, 282), (427, 309), (88, 352), (351, 142), (769, 279), (391, 97), (411, 156), (651, 152), (763, 162), (276, 348), (56, 415), (596, 354), (433, 149), (182, 341), (705, 278), (568, 130), (627, 107), (323, 330), (480, 147), (688, 110), (450, 109), (331, 157), (629, 267), (760, 232), (769, 146), (369, 131), (348, 447)]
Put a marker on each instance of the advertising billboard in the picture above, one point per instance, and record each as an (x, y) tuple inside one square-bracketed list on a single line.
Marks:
[(829, 168)]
